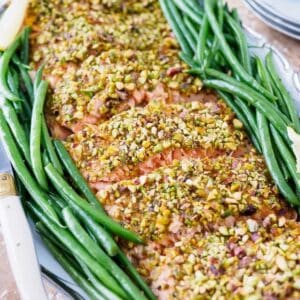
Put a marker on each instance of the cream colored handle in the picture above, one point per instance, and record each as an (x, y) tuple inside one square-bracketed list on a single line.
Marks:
[(20, 249)]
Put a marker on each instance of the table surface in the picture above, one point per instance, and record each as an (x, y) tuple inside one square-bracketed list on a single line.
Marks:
[(286, 45)]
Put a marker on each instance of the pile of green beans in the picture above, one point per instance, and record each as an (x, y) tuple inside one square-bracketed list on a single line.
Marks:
[(250, 86), (68, 216)]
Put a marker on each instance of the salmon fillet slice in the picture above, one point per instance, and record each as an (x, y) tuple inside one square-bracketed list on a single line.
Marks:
[(248, 260), (207, 221), (104, 59), (141, 139), (200, 192)]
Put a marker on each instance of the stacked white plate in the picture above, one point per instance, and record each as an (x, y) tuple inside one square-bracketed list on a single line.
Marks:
[(282, 15)]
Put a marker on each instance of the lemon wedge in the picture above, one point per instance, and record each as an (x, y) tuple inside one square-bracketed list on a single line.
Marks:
[(295, 139), (11, 22)]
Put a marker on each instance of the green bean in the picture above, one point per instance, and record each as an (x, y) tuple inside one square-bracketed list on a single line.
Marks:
[(263, 75), (201, 45), (286, 98), (97, 232), (4, 64), (16, 60), (229, 38), (246, 63), (267, 81), (27, 83), (65, 251), (55, 205), (47, 142), (38, 78), (90, 233), (195, 6), (14, 84), (286, 156), (271, 161), (185, 8), (94, 232), (101, 235), (100, 255), (189, 34), (109, 295), (67, 239), (231, 58), (252, 131), (178, 19), (78, 278), (171, 18), (92, 248), (76, 176), (131, 271), (287, 159), (242, 42), (72, 197), (12, 81), (35, 135), (281, 104), (249, 114), (235, 15), (135, 275), (58, 200), (19, 166), (191, 27), (214, 54), (45, 158), (25, 45), (44, 232), (25, 78), (285, 172), (27, 114), (16, 128), (48, 145), (52, 200)]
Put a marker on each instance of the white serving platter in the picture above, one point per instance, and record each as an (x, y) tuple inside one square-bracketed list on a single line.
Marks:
[(259, 47), (273, 21), (285, 9)]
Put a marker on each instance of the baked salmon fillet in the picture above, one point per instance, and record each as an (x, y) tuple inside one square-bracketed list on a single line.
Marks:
[(103, 57), (166, 159)]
